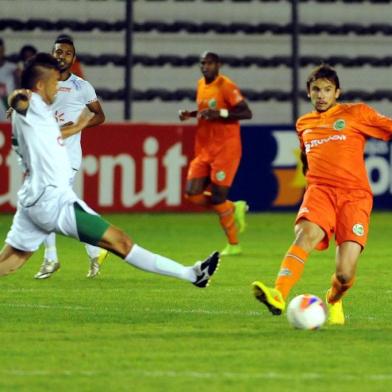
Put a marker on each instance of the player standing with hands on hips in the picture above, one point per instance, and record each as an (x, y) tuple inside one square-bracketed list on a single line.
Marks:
[(46, 200), (220, 106), (338, 198)]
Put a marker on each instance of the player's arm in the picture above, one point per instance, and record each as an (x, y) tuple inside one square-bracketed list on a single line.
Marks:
[(241, 111), (19, 100), (99, 116), (304, 161), (70, 129), (184, 115)]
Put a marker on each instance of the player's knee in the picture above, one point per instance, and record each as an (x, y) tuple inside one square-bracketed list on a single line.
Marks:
[(310, 233), (344, 277), (218, 198), (123, 244)]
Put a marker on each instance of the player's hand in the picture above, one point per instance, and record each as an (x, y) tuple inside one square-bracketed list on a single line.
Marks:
[(8, 113), (66, 124), (184, 115), (84, 117), (19, 100), (209, 114)]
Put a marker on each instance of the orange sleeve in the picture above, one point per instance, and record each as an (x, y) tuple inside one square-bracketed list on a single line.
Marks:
[(300, 128), (376, 124), (231, 93)]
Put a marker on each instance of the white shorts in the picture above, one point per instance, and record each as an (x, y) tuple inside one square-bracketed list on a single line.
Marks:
[(54, 212)]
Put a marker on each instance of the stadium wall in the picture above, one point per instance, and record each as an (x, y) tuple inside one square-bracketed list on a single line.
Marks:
[(142, 167)]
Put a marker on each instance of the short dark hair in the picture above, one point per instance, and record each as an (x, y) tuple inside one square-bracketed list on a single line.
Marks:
[(215, 57), (323, 71), (65, 39), (27, 48), (34, 69)]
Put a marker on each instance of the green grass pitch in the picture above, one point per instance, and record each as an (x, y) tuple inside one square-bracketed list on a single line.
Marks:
[(129, 330)]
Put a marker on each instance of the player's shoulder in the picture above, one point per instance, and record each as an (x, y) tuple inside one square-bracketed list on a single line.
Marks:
[(79, 82), (354, 107), (225, 80), (304, 120)]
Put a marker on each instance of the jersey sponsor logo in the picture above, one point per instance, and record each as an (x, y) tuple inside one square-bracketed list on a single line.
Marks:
[(220, 175), (358, 229), (339, 125), (319, 142)]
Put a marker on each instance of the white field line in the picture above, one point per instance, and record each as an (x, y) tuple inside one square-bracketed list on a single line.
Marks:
[(200, 375), (147, 310)]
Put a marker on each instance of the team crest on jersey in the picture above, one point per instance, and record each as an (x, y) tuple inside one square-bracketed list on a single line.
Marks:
[(212, 103), (220, 175), (338, 125), (358, 229)]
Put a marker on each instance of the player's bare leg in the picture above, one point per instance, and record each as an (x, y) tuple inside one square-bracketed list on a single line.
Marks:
[(117, 242), (12, 259), (347, 255)]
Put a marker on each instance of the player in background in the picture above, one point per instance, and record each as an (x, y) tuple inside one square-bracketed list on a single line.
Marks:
[(220, 106), (74, 94), (46, 200), (338, 199)]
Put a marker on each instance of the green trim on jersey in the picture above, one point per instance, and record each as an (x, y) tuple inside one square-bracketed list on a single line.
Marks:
[(91, 228)]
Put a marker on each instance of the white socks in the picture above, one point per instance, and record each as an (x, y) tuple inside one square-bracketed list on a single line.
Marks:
[(92, 251), (50, 247), (152, 262)]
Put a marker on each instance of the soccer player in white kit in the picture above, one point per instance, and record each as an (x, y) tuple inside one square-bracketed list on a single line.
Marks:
[(46, 200), (74, 94)]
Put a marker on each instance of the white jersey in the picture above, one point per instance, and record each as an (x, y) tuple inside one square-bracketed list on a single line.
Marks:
[(38, 142), (72, 97)]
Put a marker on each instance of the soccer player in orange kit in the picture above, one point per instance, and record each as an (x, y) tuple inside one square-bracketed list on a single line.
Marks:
[(338, 199), (220, 106)]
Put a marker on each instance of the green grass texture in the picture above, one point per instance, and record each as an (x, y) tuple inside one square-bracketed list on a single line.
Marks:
[(128, 330)]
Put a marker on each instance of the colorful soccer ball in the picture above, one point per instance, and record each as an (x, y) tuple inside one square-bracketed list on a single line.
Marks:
[(306, 311)]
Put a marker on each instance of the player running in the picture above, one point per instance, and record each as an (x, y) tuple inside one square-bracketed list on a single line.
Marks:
[(220, 106), (338, 199), (46, 201)]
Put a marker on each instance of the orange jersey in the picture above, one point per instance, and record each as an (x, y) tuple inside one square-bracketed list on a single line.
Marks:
[(334, 142), (222, 93)]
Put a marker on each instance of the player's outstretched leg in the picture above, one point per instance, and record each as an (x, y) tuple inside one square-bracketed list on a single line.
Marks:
[(270, 297), (50, 264), (205, 269), (97, 256)]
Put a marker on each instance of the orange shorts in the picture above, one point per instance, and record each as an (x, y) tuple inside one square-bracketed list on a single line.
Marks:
[(344, 213), (220, 167)]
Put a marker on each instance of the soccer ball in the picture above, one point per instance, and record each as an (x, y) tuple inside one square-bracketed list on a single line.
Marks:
[(306, 311)]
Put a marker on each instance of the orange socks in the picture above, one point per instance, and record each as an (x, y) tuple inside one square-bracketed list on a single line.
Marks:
[(337, 290), (225, 212), (202, 199), (291, 269)]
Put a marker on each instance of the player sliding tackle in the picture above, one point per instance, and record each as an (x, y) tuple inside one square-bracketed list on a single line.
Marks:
[(46, 201), (338, 200)]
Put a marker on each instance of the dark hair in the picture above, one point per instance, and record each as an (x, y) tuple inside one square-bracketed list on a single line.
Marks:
[(65, 39), (213, 56), (1, 42), (26, 48), (323, 71), (35, 68)]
